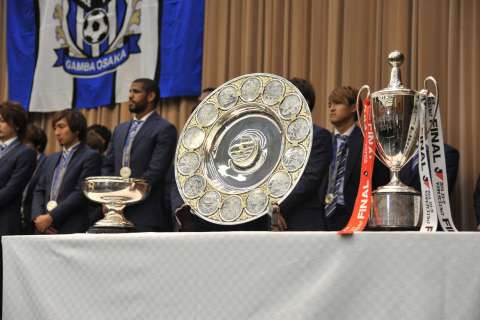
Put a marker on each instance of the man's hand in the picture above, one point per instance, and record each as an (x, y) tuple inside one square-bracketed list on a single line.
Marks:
[(182, 216), (278, 220), (51, 230), (43, 222)]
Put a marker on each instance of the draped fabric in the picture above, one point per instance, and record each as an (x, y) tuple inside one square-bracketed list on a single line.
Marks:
[(338, 42)]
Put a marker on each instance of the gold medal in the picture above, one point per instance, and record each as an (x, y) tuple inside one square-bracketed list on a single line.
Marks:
[(125, 172), (329, 198), (52, 204)]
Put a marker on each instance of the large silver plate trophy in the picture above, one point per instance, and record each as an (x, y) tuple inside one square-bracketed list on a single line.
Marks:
[(115, 193), (243, 148), (396, 119)]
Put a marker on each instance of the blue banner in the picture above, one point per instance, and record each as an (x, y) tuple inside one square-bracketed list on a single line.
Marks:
[(84, 54)]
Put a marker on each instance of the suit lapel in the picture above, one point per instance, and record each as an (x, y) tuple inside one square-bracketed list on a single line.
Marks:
[(13, 151), (146, 127), (354, 144), (119, 144), (77, 153)]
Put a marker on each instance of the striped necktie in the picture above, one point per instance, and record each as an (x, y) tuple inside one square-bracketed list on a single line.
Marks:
[(58, 174), (132, 132), (337, 178)]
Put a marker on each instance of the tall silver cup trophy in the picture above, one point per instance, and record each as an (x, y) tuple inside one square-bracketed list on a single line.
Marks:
[(396, 124), (115, 193)]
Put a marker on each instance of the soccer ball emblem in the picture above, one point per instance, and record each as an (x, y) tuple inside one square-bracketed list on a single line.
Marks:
[(95, 27)]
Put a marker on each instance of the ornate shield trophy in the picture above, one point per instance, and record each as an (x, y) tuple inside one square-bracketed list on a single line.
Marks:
[(395, 116), (115, 193), (243, 148)]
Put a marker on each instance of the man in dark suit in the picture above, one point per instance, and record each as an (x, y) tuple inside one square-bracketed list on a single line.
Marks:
[(17, 163), (36, 139), (59, 205), (346, 159), (144, 148), (476, 202), (98, 138), (303, 208)]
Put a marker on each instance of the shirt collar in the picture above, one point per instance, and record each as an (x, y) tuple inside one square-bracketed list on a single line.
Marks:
[(9, 141), (346, 133), (72, 147), (145, 117)]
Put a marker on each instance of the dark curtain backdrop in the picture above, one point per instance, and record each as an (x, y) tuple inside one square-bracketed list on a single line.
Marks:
[(332, 43)]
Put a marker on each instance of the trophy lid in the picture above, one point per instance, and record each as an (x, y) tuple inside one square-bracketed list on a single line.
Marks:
[(395, 86)]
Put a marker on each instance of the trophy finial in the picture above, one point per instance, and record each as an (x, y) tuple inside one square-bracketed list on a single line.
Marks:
[(395, 60)]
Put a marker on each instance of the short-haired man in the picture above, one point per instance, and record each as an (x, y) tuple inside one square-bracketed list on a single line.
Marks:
[(17, 163), (36, 139), (346, 159), (59, 205), (98, 137), (144, 148), (303, 208)]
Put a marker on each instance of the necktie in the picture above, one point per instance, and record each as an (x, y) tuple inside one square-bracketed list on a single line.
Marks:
[(2, 147), (58, 174), (132, 132), (337, 176)]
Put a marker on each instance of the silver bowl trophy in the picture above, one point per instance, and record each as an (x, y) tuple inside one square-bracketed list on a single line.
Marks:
[(243, 149), (115, 193), (396, 119)]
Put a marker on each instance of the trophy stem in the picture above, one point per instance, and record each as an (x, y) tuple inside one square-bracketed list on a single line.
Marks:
[(113, 222)]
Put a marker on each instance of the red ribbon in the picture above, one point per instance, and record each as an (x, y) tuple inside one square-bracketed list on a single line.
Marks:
[(363, 202)]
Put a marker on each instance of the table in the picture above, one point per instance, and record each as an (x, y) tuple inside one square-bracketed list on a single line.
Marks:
[(242, 275)]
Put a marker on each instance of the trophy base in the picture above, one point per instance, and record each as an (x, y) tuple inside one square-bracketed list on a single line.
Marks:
[(114, 222), (395, 210), (110, 230)]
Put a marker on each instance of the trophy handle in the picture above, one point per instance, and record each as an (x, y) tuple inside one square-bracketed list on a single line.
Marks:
[(436, 95), (359, 116)]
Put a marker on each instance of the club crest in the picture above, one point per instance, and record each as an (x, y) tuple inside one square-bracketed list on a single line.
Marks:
[(96, 36)]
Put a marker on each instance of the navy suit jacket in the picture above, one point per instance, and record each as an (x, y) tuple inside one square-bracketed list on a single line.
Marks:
[(16, 169), (29, 228), (151, 156), (409, 173), (71, 214), (303, 209), (476, 200), (381, 176)]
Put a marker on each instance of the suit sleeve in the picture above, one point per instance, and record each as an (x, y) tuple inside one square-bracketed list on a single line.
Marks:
[(162, 155), (108, 163), (316, 168), (381, 174), (476, 200), (39, 193), (452, 158), (91, 167), (22, 172)]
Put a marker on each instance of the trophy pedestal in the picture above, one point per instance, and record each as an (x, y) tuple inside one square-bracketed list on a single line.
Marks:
[(395, 210), (95, 229), (114, 222)]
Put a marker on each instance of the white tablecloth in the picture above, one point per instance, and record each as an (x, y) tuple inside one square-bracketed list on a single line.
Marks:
[(242, 275)]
